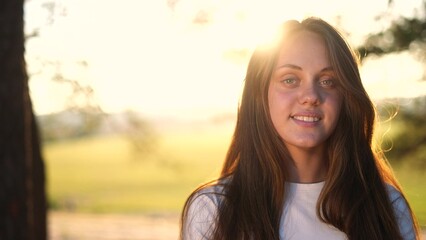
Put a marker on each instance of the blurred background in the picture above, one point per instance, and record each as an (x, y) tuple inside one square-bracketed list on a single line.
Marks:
[(136, 100)]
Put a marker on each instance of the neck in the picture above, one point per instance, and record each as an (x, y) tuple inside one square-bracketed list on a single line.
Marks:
[(308, 165)]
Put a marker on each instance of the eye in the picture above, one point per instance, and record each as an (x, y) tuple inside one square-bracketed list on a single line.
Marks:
[(289, 80), (328, 82)]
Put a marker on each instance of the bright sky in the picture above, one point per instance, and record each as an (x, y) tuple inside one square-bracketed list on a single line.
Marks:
[(149, 56)]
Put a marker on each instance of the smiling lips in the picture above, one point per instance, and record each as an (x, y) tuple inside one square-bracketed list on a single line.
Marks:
[(306, 118)]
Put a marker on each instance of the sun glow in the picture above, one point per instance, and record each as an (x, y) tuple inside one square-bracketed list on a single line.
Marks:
[(182, 58)]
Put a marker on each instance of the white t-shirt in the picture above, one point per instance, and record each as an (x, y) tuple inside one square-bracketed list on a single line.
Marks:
[(299, 219)]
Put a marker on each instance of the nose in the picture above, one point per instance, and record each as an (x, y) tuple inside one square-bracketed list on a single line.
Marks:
[(310, 95)]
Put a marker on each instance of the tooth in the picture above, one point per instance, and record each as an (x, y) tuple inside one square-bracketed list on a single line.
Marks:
[(306, 118)]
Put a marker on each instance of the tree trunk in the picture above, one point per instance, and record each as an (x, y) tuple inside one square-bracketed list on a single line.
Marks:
[(22, 190)]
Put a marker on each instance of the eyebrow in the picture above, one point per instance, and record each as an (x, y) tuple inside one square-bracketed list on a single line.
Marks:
[(292, 66)]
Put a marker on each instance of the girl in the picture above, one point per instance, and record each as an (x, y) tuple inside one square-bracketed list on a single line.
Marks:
[(302, 164)]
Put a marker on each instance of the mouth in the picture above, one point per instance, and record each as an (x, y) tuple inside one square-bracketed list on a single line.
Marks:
[(310, 119)]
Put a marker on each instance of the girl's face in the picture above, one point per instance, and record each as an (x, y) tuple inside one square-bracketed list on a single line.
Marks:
[(304, 101)]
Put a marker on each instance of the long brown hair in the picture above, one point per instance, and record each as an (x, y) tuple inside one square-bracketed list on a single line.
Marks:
[(354, 198)]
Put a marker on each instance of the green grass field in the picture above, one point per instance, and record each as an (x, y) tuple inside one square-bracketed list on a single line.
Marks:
[(103, 175)]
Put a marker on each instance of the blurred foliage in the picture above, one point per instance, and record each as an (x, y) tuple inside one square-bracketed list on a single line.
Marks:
[(405, 137), (405, 33), (139, 133), (83, 116), (68, 124), (74, 123), (406, 141)]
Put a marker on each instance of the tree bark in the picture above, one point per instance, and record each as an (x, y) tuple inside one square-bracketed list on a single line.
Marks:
[(22, 179)]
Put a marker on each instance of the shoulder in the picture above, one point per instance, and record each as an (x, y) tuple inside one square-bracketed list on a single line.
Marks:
[(201, 213), (211, 193), (206, 199), (402, 212), (398, 201)]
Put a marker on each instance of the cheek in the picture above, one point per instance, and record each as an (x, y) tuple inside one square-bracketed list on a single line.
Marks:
[(279, 104), (274, 107)]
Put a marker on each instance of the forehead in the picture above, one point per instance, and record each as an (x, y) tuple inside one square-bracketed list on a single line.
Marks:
[(304, 48)]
